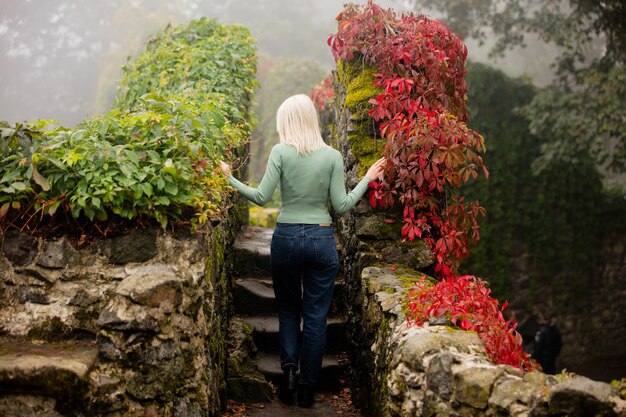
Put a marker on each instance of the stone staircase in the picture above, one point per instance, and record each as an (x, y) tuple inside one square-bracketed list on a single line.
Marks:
[(254, 304), (44, 377)]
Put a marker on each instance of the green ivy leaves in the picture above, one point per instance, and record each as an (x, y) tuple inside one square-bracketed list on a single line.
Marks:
[(182, 104)]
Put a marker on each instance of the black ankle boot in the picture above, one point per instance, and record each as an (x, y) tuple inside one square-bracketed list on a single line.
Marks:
[(290, 383), (306, 395)]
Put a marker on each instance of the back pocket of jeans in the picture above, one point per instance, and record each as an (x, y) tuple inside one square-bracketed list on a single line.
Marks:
[(325, 250)]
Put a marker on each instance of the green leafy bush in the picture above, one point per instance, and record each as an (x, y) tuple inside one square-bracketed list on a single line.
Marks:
[(182, 105)]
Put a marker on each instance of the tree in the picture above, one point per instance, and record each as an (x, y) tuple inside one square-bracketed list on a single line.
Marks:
[(583, 112), (581, 27)]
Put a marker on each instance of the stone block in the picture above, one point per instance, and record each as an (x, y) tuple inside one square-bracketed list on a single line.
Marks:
[(373, 226), (415, 254), (56, 254), (33, 295), (19, 248), (439, 375), (472, 386), (121, 314), (136, 247), (40, 274), (249, 388), (155, 285), (420, 344), (51, 369), (512, 391), (83, 298), (581, 397)]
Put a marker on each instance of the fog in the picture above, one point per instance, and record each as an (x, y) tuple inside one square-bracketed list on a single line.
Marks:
[(62, 59)]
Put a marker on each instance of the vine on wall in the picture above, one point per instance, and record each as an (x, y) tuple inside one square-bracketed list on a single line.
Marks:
[(421, 114)]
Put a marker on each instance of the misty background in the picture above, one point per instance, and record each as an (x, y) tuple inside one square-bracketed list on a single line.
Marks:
[(62, 59)]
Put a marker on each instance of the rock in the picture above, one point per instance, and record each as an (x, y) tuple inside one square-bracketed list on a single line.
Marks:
[(52, 369), (186, 407), (439, 375), (144, 387), (120, 314), (32, 295), (415, 348), (373, 226), (249, 388), (28, 405), (581, 397), (40, 274), (473, 385), (378, 279), (107, 349), (510, 392), (19, 248), (153, 286), (106, 384), (136, 247), (56, 254), (415, 254), (83, 299)]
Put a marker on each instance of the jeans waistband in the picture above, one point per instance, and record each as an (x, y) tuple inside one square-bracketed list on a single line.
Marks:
[(302, 229)]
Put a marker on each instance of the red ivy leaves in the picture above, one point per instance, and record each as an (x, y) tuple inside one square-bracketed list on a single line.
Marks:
[(323, 92), (421, 113), (466, 302)]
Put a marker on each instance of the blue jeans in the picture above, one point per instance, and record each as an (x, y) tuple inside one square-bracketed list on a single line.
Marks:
[(304, 263)]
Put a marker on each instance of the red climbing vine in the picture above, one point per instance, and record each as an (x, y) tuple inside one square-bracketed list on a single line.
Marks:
[(467, 303), (323, 92), (421, 114)]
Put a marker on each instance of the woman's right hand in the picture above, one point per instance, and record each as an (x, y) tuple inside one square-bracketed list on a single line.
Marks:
[(225, 168), (376, 169)]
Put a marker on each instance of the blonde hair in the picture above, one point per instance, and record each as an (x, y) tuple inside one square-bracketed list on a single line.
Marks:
[(297, 124)]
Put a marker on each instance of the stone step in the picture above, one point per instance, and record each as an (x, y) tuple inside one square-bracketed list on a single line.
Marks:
[(252, 251), (265, 333), (256, 297), (56, 370), (269, 365)]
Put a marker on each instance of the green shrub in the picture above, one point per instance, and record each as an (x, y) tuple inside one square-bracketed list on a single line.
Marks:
[(182, 105)]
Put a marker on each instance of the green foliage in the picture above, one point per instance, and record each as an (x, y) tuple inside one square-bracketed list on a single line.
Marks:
[(576, 26), (586, 119), (557, 217), (584, 112), (182, 105)]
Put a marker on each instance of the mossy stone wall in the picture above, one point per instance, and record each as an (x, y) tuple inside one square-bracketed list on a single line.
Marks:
[(433, 370), (152, 306)]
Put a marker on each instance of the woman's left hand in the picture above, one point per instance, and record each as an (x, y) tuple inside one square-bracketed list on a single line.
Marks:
[(225, 168)]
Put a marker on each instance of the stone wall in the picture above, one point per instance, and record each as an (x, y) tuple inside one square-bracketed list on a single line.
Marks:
[(147, 310), (399, 370), (436, 370)]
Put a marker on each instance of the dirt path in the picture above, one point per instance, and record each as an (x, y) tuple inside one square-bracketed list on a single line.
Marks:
[(326, 404)]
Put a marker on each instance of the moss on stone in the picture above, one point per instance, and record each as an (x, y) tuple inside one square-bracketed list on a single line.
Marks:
[(51, 330), (364, 143)]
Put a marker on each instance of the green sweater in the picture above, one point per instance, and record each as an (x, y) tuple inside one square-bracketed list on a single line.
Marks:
[(307, 182)]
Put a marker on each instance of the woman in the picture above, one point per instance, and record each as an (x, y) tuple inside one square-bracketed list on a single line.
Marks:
[(304, 258)]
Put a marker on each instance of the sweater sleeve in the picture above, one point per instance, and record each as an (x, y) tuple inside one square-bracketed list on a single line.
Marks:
[(263, 193), (342, 201)]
